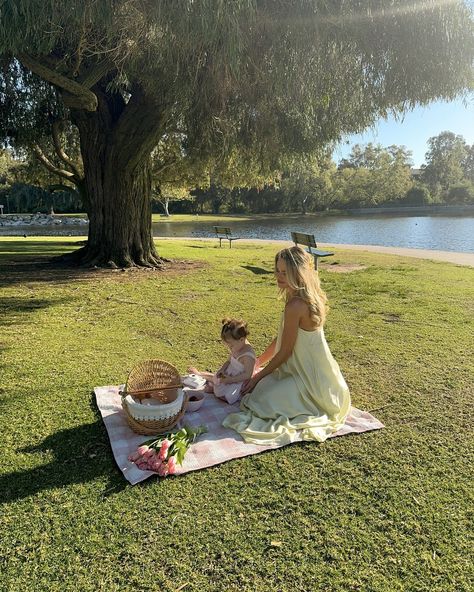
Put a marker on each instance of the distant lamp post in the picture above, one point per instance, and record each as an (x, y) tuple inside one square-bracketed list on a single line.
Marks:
[(1, 210)]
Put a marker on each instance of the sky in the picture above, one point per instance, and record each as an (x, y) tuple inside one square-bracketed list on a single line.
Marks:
[(417, 127)]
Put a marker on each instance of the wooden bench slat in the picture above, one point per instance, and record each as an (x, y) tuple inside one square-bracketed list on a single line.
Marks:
[(308, 240), (304, 239), (225, 233), (319, 253)]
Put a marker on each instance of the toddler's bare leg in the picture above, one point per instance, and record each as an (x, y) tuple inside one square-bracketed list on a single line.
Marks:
[(206, 375)]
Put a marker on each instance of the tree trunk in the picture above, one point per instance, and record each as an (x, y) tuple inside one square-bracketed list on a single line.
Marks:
[(120, 219), (165, 203), (303, 205), (118, 191)]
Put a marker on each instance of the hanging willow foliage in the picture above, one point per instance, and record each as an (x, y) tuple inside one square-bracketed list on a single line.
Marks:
[(287, 73), (263, 77)]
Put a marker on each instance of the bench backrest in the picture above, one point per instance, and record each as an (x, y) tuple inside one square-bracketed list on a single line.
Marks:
[(300, 238), (222, 230)]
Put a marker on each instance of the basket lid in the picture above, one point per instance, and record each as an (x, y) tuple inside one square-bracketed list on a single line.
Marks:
[(153, 375)]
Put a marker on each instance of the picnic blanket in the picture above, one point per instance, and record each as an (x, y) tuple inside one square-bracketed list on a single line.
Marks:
[(218, 445)]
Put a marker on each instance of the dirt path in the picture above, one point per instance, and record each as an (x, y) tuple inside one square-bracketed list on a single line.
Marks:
[(449, 256)]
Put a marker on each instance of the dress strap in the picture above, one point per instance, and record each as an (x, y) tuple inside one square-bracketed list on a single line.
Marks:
[(249, 354)]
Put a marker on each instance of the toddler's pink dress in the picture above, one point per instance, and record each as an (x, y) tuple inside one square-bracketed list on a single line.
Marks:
[(231, 392)]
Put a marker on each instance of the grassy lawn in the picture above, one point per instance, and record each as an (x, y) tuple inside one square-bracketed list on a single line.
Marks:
[(389, 510)]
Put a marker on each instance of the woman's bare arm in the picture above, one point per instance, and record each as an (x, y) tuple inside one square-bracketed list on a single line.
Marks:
[(267, 354), (293, 314), (294, 311)]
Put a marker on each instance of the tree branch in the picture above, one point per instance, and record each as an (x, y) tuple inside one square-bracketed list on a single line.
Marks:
[(61, 187), (164, 167), (95, 73), (41, 156), (75, 95), (138, 128), (60, 152)]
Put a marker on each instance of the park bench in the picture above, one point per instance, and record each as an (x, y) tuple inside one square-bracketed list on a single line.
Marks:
[(308, 240), (225, 233)]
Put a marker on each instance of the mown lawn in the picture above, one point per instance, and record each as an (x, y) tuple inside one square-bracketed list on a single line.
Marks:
[(390, 510)]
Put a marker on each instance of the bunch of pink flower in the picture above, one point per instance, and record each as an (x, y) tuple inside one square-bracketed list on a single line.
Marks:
[(161, 455), (148, 458)]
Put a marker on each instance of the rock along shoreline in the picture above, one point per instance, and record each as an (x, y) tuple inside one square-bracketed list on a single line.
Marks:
[(41, 220)]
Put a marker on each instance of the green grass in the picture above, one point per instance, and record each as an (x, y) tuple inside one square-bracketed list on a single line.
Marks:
[(389, 510)]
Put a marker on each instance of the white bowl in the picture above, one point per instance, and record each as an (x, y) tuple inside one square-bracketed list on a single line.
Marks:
[(195, 400)]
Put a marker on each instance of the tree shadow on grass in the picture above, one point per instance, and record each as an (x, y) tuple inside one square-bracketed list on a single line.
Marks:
[(81, 454), (40, 261), (37, 261), (257, 270), (16, 311)]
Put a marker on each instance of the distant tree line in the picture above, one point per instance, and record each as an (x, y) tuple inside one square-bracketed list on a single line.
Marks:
[(371, 176)]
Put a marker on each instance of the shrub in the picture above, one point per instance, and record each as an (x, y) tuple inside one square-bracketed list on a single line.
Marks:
[(461, 193), (418, 195)]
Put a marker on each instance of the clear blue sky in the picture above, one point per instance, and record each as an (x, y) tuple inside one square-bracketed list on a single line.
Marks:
[(418, 125)]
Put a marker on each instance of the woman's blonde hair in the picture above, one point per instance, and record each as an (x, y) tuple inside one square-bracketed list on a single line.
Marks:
[(303, 280)]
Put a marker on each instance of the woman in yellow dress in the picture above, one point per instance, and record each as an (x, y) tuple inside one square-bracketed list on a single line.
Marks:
[(300, 394)]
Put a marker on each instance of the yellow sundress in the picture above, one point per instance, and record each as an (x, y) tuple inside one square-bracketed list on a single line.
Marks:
[(306, 398)]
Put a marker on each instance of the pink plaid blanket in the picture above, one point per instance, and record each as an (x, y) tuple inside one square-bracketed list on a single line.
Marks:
[(218, 445)]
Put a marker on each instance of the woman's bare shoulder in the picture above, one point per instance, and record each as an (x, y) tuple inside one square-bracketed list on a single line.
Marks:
[(296, 305)]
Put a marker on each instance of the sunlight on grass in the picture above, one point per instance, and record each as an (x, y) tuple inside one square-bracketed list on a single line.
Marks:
[(382, 511)]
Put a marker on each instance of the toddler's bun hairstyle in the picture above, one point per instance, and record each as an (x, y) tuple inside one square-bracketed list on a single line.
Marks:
[(235, 328)]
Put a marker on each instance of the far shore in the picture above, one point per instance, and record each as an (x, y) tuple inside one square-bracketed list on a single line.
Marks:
[(428, 210)]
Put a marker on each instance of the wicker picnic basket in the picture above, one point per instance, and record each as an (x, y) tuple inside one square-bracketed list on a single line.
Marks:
[(153, 400)]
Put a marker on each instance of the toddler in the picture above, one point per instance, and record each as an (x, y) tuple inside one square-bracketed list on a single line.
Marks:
[(227, 382)]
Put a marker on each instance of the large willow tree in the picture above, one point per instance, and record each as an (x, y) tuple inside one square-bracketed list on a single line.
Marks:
[(265, 77)]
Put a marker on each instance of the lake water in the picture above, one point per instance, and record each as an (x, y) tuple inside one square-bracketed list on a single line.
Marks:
[(446, 233)]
